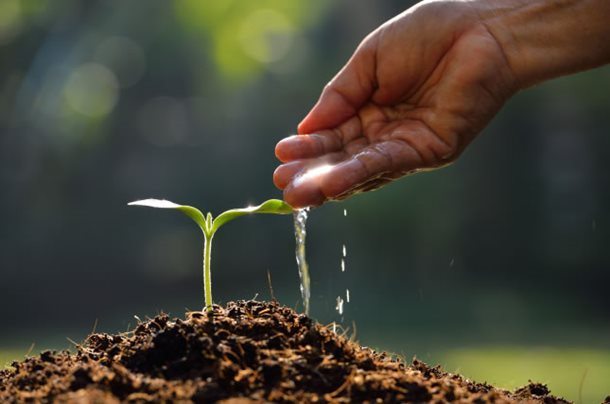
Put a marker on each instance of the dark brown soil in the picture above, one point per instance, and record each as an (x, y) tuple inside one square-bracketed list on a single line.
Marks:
[(247, 352)]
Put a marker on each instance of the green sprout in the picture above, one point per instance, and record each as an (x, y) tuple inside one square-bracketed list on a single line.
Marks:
[(209, 226)]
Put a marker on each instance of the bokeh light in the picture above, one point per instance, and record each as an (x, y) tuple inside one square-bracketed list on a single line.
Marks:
[(92, 90), (266, 35)]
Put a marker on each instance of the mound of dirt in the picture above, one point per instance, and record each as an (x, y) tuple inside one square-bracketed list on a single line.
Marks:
[(246, 352)]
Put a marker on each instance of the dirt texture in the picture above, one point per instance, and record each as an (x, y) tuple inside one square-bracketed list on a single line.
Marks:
[(246, 352)]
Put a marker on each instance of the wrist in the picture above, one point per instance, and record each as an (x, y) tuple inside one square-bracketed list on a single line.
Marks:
[(543, 39)]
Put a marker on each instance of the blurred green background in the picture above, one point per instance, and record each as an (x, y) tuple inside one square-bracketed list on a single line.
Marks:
[(496, 267)]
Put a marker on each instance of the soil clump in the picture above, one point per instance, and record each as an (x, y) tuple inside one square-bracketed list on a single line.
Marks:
[(246, 352)]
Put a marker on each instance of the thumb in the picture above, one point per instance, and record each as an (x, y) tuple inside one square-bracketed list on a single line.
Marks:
[(343, 96)]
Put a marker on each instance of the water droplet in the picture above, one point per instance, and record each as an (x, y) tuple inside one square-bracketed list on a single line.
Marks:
[(342, 265), (347, 295), (344, 251), (344, 212), (339, 306), (334, 327), (452, 262), (300, 232)]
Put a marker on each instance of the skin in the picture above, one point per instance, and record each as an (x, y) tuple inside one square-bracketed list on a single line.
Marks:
[(423, 85)]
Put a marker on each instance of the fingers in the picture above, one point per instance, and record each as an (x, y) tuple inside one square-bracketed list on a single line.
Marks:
[(346, 92), (306, 194), (350, 174), (307, 146), (313, 186), (325, 142), (372, 167), (286, 172), (305, 168)]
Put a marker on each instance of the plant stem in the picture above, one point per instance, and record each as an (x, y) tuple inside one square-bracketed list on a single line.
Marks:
[(207, 272)]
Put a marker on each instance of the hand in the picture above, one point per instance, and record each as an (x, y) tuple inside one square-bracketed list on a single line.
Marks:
[(414, 94)]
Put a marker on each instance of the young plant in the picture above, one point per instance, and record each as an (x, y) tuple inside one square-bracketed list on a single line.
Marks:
[(209, 226)]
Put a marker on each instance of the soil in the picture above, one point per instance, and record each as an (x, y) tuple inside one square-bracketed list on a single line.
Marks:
[(246, 352)]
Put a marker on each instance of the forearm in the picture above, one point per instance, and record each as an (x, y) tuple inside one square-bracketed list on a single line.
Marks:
[(543, 39)]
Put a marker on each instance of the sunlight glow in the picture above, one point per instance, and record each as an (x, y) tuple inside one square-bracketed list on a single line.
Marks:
[(313, 174)]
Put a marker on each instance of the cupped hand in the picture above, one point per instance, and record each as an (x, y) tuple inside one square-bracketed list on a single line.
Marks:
[(415, 93)]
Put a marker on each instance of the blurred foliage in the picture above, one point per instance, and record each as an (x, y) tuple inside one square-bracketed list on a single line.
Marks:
[(247, 36), (102, 103), (580, 375)]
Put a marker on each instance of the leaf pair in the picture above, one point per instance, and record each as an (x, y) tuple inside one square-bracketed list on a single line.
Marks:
[(209, 226)]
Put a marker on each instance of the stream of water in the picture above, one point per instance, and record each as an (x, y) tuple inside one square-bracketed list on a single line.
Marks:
[(300, 232)]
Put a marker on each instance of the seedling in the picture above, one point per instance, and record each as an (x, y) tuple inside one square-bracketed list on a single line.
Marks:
[(209, 226)]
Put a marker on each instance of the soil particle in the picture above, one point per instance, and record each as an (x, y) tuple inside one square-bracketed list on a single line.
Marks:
[(246, 352)]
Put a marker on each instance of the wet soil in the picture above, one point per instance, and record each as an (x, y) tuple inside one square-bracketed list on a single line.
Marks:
[(246, 352)]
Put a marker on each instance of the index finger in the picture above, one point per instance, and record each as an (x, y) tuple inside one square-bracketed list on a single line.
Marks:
[(298, 147)]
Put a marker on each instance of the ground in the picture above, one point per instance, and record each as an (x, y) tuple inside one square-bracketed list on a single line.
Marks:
[(247, 350)]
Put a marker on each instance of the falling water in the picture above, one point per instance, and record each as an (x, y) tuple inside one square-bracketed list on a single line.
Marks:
[(340, 301), (339, 306), (300, 219)]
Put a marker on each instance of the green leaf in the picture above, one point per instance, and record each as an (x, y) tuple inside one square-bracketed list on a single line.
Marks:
[(190, 211), (272, 206)]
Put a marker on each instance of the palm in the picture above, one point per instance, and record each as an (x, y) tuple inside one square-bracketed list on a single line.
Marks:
[(417, 116)]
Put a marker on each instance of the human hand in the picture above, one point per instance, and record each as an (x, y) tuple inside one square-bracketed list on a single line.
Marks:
[(414, 94)]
